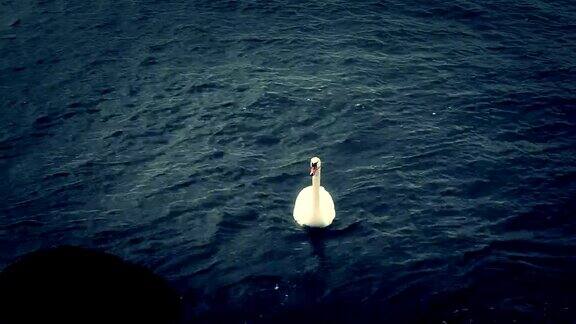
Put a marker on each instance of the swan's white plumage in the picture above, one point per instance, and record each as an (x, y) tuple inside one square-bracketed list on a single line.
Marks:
[(304, 211)]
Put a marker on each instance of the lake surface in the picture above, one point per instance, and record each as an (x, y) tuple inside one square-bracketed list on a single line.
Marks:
[(177, 134)]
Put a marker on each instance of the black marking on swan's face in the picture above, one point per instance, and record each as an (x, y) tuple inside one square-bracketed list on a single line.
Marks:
[(315, 160)]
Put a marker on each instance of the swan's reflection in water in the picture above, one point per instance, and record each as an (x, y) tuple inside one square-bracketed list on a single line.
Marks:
[(315, 282), (316, 236)]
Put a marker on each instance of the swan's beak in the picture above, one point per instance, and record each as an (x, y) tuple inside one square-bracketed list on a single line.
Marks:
[(313, 171)]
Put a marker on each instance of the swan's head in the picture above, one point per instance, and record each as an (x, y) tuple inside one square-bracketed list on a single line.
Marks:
[(315, 165)]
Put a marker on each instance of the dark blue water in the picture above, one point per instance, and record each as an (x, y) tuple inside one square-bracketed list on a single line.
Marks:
[(177, 134)]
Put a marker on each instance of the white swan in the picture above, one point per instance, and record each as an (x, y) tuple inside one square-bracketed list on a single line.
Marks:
[(314, 206)]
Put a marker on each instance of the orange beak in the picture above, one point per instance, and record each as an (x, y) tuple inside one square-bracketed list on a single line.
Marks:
[(313, 171)]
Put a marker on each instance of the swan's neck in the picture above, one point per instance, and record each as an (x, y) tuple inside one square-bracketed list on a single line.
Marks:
[(316, 193)]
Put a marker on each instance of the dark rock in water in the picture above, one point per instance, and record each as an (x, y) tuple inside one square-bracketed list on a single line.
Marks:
[(77, 285)]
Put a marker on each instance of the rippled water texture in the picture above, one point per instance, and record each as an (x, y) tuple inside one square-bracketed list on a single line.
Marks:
[(177, 134)]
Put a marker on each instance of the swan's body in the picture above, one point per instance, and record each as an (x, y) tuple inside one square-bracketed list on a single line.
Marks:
[(314, 206)]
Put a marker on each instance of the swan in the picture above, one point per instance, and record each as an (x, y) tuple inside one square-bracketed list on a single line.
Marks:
[(314, 206)]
